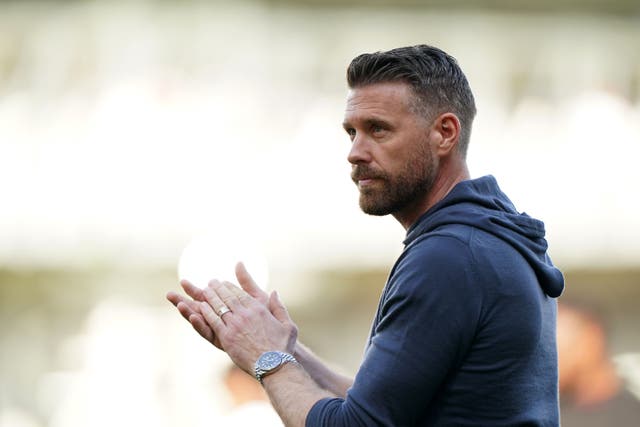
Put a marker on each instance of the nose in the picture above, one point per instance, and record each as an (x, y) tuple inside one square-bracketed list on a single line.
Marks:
[(360, 151)]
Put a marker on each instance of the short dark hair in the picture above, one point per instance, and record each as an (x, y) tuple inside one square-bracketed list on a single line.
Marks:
[(436, 79)]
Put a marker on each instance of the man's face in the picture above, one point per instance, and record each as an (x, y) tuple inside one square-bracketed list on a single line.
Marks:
[(392, 160)]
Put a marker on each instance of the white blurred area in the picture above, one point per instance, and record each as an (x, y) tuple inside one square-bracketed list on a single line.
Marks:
[(127, 373), (128, 130), (215, 256), (146, 133)]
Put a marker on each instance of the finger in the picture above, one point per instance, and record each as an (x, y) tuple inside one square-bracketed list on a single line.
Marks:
[(213, 320), (226, 293), (202, 327), (174, 297), (240, 294), (184, 306), (192, 290), (190, 310), (249, 285), (277, 308), (215, 302), (188, 307), (245, 299)]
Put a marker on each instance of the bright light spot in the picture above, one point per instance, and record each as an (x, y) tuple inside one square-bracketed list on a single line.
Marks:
[(628, 365), (215, 257)]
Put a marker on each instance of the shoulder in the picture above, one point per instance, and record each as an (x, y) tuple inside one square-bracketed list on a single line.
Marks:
[(439, 267), (441, 254)]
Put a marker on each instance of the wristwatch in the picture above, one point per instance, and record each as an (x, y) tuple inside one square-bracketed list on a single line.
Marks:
[(269, 362)]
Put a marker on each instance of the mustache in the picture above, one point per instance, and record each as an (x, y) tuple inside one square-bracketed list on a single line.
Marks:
[(365, 172)]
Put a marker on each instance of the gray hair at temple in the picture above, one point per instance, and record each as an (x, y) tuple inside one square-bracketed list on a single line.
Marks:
[(437, 81)]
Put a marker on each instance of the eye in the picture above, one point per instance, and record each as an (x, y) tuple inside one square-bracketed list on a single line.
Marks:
[(351, 132), (378, 131)]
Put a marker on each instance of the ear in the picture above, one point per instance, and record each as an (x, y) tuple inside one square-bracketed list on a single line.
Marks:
[(447, 125)]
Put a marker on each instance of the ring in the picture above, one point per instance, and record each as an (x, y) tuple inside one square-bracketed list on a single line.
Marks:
[(223, 310)]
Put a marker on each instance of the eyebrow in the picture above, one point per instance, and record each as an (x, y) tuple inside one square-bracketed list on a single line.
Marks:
[(368, 122)]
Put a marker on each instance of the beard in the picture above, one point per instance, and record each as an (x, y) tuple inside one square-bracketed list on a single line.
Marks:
[(392, 194)]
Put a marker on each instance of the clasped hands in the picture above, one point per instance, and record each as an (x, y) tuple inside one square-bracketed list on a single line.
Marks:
[(256, 322)]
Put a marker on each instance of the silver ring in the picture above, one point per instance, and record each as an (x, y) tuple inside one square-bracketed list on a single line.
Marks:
[(223, 310)]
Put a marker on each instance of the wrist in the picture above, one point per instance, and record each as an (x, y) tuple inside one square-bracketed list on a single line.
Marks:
[(270, 362), (300, 352)]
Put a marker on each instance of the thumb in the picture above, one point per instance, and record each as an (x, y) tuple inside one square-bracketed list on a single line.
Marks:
[(277, 308), (249, 285)]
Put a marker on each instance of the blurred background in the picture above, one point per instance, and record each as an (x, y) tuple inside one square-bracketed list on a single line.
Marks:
[(143, 141)]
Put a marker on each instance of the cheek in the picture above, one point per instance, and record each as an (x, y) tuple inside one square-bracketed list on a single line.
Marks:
[(411, 155), (422, 160)]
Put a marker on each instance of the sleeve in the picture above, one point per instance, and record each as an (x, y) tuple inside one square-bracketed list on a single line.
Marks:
[(426, 324)]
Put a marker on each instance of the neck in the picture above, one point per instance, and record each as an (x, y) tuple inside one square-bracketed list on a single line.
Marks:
[(448, 176)]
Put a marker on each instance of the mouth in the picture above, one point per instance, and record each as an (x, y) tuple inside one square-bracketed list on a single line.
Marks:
[(365, 181), (364, 178)]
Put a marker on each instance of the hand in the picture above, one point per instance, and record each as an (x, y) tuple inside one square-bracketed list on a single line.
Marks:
[(190, 308), (250, 328)]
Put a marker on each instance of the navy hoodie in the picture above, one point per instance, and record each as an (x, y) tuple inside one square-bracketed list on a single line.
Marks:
[(464, 334)]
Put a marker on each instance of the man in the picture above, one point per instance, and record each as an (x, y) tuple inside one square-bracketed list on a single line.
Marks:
[(465, 330), (592, 392)]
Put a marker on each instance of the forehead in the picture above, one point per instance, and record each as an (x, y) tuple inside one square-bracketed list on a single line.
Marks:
[(386, 100)]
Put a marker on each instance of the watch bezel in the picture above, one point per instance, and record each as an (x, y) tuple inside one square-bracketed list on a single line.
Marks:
[(269, 360)]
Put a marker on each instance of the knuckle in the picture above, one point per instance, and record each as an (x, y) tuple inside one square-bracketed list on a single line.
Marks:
[(293, 330)]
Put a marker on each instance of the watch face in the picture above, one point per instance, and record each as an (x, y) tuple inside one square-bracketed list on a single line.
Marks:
[(269, 360)]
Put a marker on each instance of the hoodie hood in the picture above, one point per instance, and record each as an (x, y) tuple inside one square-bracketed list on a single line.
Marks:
[(481, 204)]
